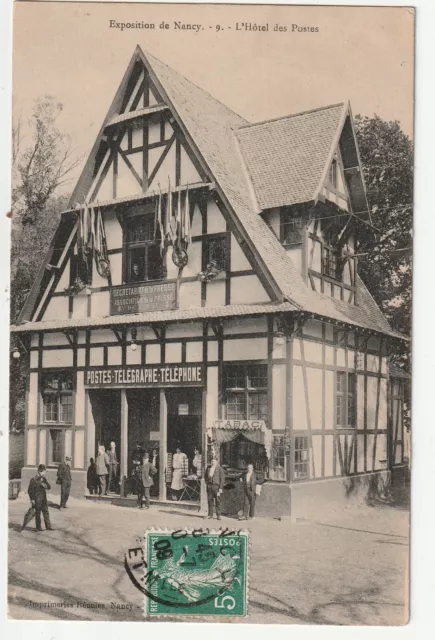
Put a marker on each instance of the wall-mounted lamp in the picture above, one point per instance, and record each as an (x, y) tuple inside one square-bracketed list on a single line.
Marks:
[(17, 350), (133, 344)]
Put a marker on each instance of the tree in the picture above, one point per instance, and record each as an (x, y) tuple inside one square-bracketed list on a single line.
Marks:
[(39, 169), (387, 159), (43, 166)]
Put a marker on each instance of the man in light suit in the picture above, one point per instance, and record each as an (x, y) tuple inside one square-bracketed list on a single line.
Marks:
[(249, 480), (148, 470), (215, 480), (113, 468)]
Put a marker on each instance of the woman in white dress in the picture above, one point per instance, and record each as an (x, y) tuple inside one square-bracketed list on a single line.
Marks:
[(179, 464)]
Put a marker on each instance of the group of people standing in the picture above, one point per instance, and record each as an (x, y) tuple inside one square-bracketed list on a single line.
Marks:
[(102, 476), (103, 473)]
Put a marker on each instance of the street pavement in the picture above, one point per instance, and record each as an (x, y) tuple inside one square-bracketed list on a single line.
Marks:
[(350, 568)]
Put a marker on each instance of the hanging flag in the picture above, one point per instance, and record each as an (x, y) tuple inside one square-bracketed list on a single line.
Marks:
[(100, 247), (186, 220), (170, 230), (178, 224), (159, 234)]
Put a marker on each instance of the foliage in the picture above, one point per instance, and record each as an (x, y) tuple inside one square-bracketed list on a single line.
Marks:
[(387, 159), (41, 162), (43, 165)]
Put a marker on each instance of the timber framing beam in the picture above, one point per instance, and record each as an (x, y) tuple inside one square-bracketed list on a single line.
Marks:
[(71, 336), (134, 115)]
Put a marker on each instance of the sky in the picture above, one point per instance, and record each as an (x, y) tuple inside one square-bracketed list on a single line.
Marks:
[(361, 54)]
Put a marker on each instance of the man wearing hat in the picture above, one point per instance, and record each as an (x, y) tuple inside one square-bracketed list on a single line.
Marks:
[(64, 479), (38, 487)]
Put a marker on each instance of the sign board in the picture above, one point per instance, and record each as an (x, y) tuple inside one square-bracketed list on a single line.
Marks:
[(183, 409), (138, 298), (173, 375), (154, 435), (239, 424)]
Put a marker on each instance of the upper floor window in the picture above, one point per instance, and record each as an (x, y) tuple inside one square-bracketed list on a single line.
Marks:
[(143, 259), (246, 392), (331, 257), (291, 229), (333, 173), (215, 251), (57, 396), (345, 396)]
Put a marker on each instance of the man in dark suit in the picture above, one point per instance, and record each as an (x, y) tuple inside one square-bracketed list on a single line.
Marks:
[(37, 491), (64, 479), (215, 480), (249, 480), (147, 471)]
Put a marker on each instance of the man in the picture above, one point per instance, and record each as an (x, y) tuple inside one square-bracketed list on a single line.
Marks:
[(215, 480), (249, 480), (64, 479), (38, 487), (101, 463), (113, 467), (147, 471)]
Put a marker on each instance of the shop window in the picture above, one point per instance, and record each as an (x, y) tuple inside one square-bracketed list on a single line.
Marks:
[(57, 397), (345, 400), (278, 459), (56, 446), (291, 229), (215, 252), (301, 457), (246, 392), (143, 259), (240, 452)]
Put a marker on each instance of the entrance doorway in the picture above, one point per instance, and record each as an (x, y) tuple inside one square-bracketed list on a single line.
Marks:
[(106, 411), (143, 432), (184, 421)]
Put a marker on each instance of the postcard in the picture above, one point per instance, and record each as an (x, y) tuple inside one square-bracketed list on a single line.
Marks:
[(211, 263)]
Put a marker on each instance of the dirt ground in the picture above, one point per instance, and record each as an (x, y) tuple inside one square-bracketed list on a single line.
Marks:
[(346, 569)]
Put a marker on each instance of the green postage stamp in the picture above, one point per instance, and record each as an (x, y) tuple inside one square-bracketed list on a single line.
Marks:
[(196, 572)]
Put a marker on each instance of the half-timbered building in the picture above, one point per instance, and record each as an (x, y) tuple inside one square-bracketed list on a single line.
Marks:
[(202, 292)]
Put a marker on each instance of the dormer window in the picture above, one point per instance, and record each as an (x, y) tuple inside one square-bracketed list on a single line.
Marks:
[(333, 173), (291, 229)]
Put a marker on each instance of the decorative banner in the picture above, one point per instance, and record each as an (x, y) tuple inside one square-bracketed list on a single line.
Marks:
[(174, 375), (139, 298)]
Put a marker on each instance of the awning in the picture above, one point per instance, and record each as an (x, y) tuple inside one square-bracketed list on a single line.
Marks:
[(254, 430)]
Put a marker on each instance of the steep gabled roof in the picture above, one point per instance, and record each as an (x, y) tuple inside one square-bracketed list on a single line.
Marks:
[(286, 157), (234, 156)]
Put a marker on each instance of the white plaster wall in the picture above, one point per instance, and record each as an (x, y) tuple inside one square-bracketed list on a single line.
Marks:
[(251, 349), (57, 309), (299, 408), (278, 396), (314, 379), (80, 400), (152, 354), (190, 295), (173, 352), (247, 289), (194, 351), (239, 262), (212, 395), (31, 447), (215, 221), (100, 304), (57, 358)]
